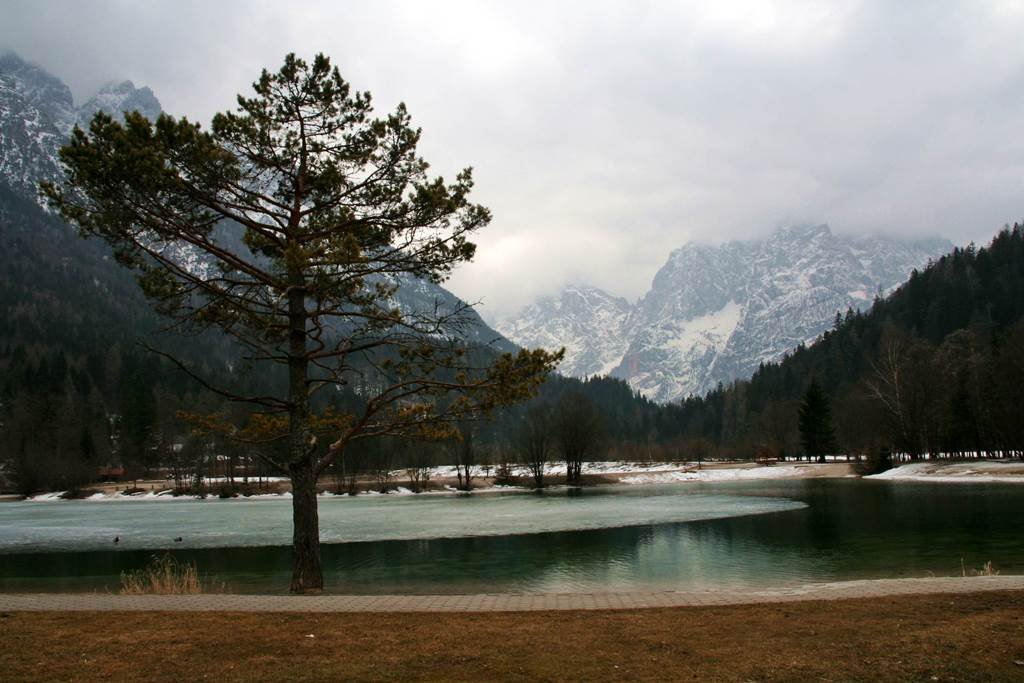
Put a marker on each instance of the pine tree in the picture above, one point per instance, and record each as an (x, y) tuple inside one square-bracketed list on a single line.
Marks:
[(816, 430), (289, 227)]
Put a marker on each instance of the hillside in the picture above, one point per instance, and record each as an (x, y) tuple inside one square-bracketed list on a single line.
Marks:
[(935, 367), (78, 388)]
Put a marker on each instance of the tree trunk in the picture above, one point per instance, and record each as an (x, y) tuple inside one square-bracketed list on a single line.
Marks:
[(574, 469), (307, 576)]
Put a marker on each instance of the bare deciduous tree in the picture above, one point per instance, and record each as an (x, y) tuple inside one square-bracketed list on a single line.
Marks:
[(535, 441), (464, 451), (905, 382), (578, 431)]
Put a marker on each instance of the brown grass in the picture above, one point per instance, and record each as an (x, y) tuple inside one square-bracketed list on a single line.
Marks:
[(162, 576), (987, 569), (962, 637)]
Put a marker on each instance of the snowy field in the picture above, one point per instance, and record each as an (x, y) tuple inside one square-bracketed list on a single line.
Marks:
[(977, 471), (723, 474)]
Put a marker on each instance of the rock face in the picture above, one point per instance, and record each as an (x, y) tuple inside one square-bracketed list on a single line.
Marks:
[(117, 98), (37, 114), (415, 295), (41, 90), (29, 141), (713, 314), (587, 321)]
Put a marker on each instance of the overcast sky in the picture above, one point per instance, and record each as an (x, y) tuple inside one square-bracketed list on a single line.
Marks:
[(604, 135)]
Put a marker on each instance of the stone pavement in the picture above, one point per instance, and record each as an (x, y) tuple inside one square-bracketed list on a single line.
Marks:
[(498, 602)]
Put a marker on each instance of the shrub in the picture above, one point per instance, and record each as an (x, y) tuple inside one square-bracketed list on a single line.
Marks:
[(227, 491), (876, 462), (162, 576), (503, 474)]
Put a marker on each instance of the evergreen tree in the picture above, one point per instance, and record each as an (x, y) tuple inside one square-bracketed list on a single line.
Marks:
[(816, 431), (288, 227)]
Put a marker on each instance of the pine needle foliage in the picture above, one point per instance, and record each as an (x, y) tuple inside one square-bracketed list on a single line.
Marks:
[(290, 226)]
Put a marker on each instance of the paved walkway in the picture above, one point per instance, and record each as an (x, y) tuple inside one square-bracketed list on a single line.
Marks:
[(497, 602)]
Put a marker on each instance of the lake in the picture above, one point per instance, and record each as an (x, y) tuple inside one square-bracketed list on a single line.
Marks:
[(687, 536)]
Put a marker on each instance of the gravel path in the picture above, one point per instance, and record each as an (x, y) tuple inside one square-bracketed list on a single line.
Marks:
[(497, 602)]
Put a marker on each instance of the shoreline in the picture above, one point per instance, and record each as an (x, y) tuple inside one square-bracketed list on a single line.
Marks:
[(602, 474), (443, 481)]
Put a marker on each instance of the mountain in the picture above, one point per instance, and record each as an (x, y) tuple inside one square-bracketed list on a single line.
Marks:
[(34, 113), (77, 386), (37, 113), (41, 90), (716, 313), (587, 321), (418, 295), (115, 98), (934, 367)]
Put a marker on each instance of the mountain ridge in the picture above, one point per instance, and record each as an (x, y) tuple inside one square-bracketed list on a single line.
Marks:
[(715, 313), (37, 114), (591, 328)]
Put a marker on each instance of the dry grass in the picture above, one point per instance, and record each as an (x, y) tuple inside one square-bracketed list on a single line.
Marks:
[(939, 637), (162, 576), (987, 569)]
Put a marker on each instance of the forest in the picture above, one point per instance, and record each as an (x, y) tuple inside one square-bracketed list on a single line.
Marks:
[(934, 369)]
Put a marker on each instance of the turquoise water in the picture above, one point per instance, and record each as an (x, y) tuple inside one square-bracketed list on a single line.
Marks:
[(673, 537)]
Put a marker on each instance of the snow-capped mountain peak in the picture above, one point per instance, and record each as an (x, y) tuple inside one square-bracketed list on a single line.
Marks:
[(116, 98), (41, 90), (587, 321), (714, 313), (37, 114)]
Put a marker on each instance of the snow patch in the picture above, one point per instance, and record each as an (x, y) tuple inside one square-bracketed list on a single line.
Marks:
[(43, 497), (710, 331), (730, 474), (980, 472)]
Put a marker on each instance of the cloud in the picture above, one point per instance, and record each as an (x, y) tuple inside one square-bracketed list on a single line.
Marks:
[(603, 135)]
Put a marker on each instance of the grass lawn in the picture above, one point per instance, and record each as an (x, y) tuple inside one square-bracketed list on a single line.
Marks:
[(938, 637)]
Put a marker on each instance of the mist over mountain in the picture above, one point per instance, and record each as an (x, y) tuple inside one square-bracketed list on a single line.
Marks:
[(587, 321), (715, 313), (38, 113), (712, 314), (114, 98)]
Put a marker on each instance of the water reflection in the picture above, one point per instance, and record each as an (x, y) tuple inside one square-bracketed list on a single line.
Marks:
[(849, 529)]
